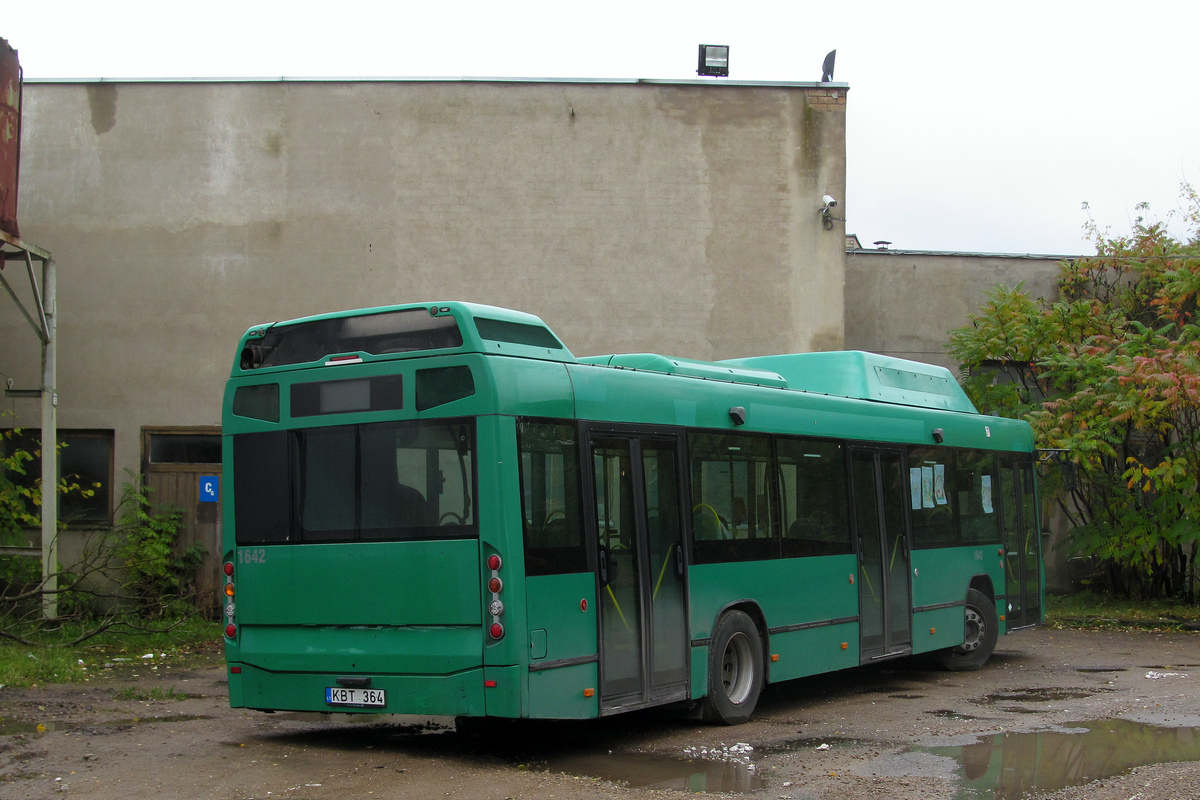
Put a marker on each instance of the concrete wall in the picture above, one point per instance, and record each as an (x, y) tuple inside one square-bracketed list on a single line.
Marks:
[(676, 218), (904, 303)]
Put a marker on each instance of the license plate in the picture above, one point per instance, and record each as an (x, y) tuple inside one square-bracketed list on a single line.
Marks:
[(355, 698)]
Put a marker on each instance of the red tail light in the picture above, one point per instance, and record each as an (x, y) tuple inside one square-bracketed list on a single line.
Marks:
[(231, 630), (495, 586), (229, 568)]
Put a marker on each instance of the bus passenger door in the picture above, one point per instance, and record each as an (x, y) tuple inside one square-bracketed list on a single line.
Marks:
[(1022, 544), (884, 589), (643, 625)]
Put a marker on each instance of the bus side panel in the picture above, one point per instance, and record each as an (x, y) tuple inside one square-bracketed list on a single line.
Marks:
[(943, 576), (558, 693), (937, 629), (811, 651), (793, 591), (562, 627)]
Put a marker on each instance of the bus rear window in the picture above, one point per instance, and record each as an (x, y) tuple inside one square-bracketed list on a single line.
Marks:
[(383, 481), (377, 334)]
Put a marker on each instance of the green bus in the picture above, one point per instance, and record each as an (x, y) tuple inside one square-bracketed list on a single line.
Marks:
[(438, 509)]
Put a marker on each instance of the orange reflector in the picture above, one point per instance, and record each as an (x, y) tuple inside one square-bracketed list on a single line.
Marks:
[(1001, 617), (774, 656), (229, 589), (489, 684), (589, 692), (932, 631), (845, 645)]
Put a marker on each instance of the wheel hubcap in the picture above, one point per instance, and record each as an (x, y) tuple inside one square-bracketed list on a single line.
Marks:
[(737, 669), (974, 631)]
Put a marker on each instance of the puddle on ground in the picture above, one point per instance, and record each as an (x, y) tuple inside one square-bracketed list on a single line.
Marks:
[(721, 769), (12, 727), (1014, 765), (946, 713), (1039, 695)]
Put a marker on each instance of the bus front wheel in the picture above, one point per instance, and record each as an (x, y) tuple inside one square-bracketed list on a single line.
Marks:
[(735, 670), (981, 627)]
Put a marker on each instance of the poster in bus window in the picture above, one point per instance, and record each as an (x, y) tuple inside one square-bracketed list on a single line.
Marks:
[(986, 493), (914, 487), (939, 484), (927, 487)]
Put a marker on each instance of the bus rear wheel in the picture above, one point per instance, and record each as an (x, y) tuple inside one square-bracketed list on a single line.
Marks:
[(981, 628), (735, 670)]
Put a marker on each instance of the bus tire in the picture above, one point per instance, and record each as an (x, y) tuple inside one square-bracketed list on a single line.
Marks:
[(979, 637), (735, 670)]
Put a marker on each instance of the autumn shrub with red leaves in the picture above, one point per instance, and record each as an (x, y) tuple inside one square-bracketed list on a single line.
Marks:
[(1109, 371)]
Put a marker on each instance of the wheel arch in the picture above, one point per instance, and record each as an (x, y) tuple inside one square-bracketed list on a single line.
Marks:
[(983, 584)]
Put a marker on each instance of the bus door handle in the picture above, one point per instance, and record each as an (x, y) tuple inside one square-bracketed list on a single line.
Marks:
[(603, 567), (679, 561)]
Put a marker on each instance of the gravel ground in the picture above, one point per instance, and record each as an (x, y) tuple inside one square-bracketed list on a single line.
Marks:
[(1056, 715)]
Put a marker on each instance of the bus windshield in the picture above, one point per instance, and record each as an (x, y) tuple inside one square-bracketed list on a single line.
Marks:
[(377, 481)]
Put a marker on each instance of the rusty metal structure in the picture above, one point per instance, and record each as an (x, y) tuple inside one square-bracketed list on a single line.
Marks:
[(10, 137)]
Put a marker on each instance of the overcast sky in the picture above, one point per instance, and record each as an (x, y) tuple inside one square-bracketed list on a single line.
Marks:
[(971, 126)]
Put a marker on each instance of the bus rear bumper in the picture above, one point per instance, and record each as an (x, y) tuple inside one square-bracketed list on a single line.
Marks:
[(458, 694)]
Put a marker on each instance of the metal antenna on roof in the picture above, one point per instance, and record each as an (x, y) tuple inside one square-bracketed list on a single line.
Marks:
[(827, 67)]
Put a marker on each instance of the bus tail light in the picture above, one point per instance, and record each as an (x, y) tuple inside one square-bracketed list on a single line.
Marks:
[(230, 626), (496, 607)]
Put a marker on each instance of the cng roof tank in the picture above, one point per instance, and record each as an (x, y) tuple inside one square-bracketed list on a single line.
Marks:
[(10, 137)]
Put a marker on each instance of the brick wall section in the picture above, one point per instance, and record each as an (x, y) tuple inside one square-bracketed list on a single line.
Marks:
[(827, 99)]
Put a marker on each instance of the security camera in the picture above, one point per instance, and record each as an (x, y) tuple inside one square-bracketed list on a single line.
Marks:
[(829, 201)]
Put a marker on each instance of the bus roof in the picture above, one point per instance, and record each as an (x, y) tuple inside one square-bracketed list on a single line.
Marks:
[(446, 328), (401, 331), (866, 376)]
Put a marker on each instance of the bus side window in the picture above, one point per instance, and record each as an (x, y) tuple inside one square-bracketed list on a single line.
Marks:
[(733, 516), (550, 504), (813, 484), (931, 478), (976, 481)]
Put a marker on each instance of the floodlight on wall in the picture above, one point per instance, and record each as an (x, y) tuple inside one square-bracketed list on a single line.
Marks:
[(714, 60)]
